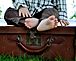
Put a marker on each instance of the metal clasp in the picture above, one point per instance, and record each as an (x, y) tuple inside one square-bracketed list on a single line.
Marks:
[(50, 40)]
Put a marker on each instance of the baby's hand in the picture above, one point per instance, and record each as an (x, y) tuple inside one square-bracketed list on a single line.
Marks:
[(63, 22)]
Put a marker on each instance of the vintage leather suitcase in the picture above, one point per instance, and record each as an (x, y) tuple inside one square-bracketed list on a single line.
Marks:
[(50, 44)]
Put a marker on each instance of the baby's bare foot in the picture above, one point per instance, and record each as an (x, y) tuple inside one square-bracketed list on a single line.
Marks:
[(31, 22), (47, 24)]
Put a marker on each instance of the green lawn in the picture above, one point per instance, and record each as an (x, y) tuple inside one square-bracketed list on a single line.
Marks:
[(28, 58)]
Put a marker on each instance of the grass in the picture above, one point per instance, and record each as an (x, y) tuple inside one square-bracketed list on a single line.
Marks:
[(27, 58), (75, 58)]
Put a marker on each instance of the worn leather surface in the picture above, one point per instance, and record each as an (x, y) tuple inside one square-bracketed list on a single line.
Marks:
[(62, 41)]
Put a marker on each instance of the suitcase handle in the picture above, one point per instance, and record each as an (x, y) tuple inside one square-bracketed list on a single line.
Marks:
[(32, 49)]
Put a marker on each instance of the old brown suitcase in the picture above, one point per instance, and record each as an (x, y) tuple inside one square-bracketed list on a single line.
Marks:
[(51, 43)]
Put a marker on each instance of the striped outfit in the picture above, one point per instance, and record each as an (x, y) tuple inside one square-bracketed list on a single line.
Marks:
[(35, 6)]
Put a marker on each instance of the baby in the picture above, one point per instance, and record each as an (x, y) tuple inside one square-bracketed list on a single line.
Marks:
[(48, 19)]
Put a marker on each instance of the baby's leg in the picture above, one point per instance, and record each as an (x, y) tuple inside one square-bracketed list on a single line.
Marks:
[(11, 13), (48, 12)]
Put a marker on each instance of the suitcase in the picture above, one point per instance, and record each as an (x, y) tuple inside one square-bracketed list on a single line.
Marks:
[(50, 44)]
